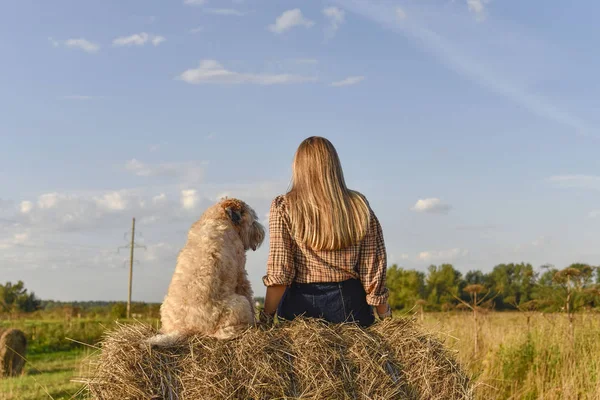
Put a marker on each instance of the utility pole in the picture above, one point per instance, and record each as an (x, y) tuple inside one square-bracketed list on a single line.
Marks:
[(131, 246), (131, 269)]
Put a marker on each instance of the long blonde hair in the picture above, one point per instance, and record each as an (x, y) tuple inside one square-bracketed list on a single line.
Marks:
[(324, 213)]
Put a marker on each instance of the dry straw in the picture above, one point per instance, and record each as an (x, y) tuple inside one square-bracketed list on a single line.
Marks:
[(302, 359), (13, 345)]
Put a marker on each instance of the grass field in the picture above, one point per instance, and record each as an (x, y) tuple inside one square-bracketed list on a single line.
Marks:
[(514, 360)]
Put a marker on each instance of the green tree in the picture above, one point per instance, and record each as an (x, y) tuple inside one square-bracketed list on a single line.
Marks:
[(14, 297), (444, 284), (406, 287), (512, 283)]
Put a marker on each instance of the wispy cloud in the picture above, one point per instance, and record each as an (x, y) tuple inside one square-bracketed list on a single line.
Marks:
[(230, 12), (288, 20), (54, 42), (472, 65), (138, 39), (189, 198), (81, 44), (590, 182), (196, 30), (351, 80), (76, 97), (336, 18), (211, 71), (400, 13), (310, 61), (594, 214), (477, 7), (431, 206), (190, 172), (442, 255), (194, 2)]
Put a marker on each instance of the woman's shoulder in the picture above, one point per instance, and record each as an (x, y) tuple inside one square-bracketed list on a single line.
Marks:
[(363, 198), (279, 204), (279, 200)]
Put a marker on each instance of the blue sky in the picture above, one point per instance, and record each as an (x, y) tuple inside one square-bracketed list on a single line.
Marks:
[(471, 126)]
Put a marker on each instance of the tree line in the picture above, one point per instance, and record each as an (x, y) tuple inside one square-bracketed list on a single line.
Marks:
[(506, 287), (440, 288)]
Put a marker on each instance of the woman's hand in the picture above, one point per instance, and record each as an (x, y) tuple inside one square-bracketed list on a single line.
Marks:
[(384, 311)]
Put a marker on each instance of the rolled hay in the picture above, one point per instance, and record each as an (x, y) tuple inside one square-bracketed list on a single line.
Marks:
[(13, 346), (301, 359)]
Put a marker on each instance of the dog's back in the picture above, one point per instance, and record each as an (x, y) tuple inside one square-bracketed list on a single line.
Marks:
[(210, 293)]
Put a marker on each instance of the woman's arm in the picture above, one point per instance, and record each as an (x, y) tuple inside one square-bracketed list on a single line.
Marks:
[(273, 297), (280, 264), (373, 267)]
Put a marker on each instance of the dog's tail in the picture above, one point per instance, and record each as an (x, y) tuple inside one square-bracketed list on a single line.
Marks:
[(165, 339)]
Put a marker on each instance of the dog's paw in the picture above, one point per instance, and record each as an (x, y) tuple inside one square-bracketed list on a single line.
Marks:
[(163, 340)]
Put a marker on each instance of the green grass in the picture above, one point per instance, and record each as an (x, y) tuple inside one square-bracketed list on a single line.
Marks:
[(47, 376)]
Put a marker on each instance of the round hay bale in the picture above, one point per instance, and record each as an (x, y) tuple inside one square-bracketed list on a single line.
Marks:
[(301, 359), (13, 346)]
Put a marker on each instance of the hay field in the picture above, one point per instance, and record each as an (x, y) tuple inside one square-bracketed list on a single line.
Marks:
[(512, 362)]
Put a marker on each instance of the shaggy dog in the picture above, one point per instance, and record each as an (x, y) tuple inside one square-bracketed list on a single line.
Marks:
[(210, 293)]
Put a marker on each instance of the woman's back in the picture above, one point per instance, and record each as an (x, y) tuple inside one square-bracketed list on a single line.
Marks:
[(291, 260), (327, 252)]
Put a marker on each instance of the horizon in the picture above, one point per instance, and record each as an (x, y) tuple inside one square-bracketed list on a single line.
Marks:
[(469, 125)]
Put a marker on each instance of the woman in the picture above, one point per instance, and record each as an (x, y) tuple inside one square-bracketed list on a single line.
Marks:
[(327, 256)]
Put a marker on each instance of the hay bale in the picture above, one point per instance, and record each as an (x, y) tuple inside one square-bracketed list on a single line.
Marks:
[(13, 345), (302, 359)]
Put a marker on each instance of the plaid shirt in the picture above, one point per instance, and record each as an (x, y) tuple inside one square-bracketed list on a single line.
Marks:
[(290, 261)]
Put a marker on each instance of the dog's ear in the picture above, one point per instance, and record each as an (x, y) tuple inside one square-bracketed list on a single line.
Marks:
[(234, 215)]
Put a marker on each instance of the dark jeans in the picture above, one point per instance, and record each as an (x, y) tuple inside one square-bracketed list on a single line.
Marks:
[(334, 302)]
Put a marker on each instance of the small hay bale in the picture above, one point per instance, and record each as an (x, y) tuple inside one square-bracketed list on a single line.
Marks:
[(301, 359), (13, 346)]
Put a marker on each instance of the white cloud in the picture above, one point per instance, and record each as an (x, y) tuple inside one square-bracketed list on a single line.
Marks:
[(211, 71), (542, 242), (76, 97), (591, 182), (156, 40), (442, 255), (138, 39), (16, 239), (158, 199), (82, 44), (336, 18), (196, 30), (21, 237), (189, 172), (288, 20), (26, 206), (351, 80), (400, 13), (310, 61), (431, 205), (477, 7), (224, 12), (112, 202), (48, 200), (594, 214), (194, 2), (54, 42), (189, 199)]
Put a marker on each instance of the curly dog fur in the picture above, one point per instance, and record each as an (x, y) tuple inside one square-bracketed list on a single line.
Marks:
[(210, 293)]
